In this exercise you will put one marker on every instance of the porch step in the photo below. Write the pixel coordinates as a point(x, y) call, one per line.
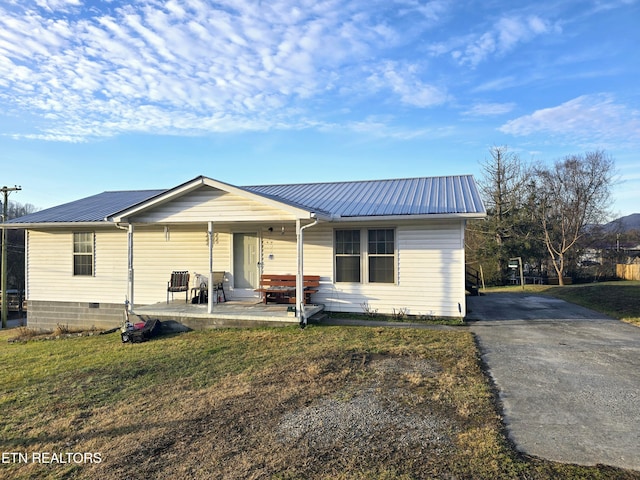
point(318, 317)
point(472, 289)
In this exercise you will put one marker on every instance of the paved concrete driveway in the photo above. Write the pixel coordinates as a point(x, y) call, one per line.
point(569, 378)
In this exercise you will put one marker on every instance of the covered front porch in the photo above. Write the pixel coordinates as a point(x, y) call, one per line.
point(247, 235)
point(228, 314)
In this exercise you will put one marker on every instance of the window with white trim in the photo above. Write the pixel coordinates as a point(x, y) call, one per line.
point(347, 255)
point(83, 247)
point(381, 252)
point(375, 246)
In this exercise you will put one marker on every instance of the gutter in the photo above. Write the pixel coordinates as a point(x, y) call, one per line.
point(48, 225)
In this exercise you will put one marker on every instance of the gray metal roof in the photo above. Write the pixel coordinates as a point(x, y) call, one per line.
point(372, 198)
point(89, 209)
point(407, 196)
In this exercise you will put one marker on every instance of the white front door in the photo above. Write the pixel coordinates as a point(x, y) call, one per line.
point(245, 263)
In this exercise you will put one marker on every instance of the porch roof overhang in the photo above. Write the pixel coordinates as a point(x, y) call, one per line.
point(291, 208)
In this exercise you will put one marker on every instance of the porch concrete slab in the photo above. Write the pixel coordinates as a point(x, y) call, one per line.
point(568, 377)
point(351, 322)
point(227, 314)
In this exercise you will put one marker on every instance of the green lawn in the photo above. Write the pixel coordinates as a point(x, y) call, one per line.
point(261, 403)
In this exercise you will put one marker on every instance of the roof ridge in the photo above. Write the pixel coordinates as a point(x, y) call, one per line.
point(400, 179)
point(136, 190)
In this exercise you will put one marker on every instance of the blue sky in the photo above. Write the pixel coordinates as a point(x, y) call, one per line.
point(107, 95)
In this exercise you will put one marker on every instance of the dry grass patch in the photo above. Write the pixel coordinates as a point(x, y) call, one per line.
point(25, 334)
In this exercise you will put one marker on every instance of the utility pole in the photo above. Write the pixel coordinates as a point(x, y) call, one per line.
point(5, 307)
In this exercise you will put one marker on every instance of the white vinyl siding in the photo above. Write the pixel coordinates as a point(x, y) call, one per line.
point(209, 204)
point(429, 264)
point(431, 269)
point(50, 267)
point(158, 251)
point(429, 275)
point(279, 249)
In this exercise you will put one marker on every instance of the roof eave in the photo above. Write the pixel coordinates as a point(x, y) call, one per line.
point(47, 225)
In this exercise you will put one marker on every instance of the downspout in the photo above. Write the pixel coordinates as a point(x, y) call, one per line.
point(129, 299)
point(300, 274)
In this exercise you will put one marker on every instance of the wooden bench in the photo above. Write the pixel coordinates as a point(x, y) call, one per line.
point(179, 282)
point(282, 288)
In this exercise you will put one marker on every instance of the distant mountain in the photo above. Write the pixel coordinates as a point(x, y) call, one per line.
point(623, 224)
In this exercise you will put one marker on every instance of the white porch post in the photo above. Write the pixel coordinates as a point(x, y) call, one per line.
point(210, 284)
point(300, 299)
point(130, 283)
point(299, 272)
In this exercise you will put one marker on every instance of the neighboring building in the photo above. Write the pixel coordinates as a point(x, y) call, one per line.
point(382, 245)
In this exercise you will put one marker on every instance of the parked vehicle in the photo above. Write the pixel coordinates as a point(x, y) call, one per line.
point(16, 300)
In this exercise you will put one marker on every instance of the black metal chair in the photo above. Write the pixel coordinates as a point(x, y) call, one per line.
point(179, 282)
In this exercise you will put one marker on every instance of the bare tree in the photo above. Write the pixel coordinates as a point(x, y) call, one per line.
point(508, 229)
point(501, 186)
point(575, 193)
point(15, 244)
point(15, 209)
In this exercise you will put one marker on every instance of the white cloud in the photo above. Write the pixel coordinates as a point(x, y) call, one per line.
point(432, 11)
point(230, 65)
point(606, 5)
point(503, 37)
point(500, 83)
point(489, 109)
point(593, 119)
point(92, 69)
point(379, 127)
point(405, 81)
point(58, 5)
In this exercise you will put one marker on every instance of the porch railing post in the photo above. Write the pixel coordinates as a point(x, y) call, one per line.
point(299, 272)
point(130, 284)
point(300, 292)
point(210, 284)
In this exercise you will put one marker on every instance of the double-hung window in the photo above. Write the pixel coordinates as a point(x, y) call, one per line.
point(83, 253)
point(381, 254)
point(348, 256)
point(365, 254)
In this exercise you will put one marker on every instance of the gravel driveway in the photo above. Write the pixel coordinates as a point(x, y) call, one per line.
point(569, 378)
